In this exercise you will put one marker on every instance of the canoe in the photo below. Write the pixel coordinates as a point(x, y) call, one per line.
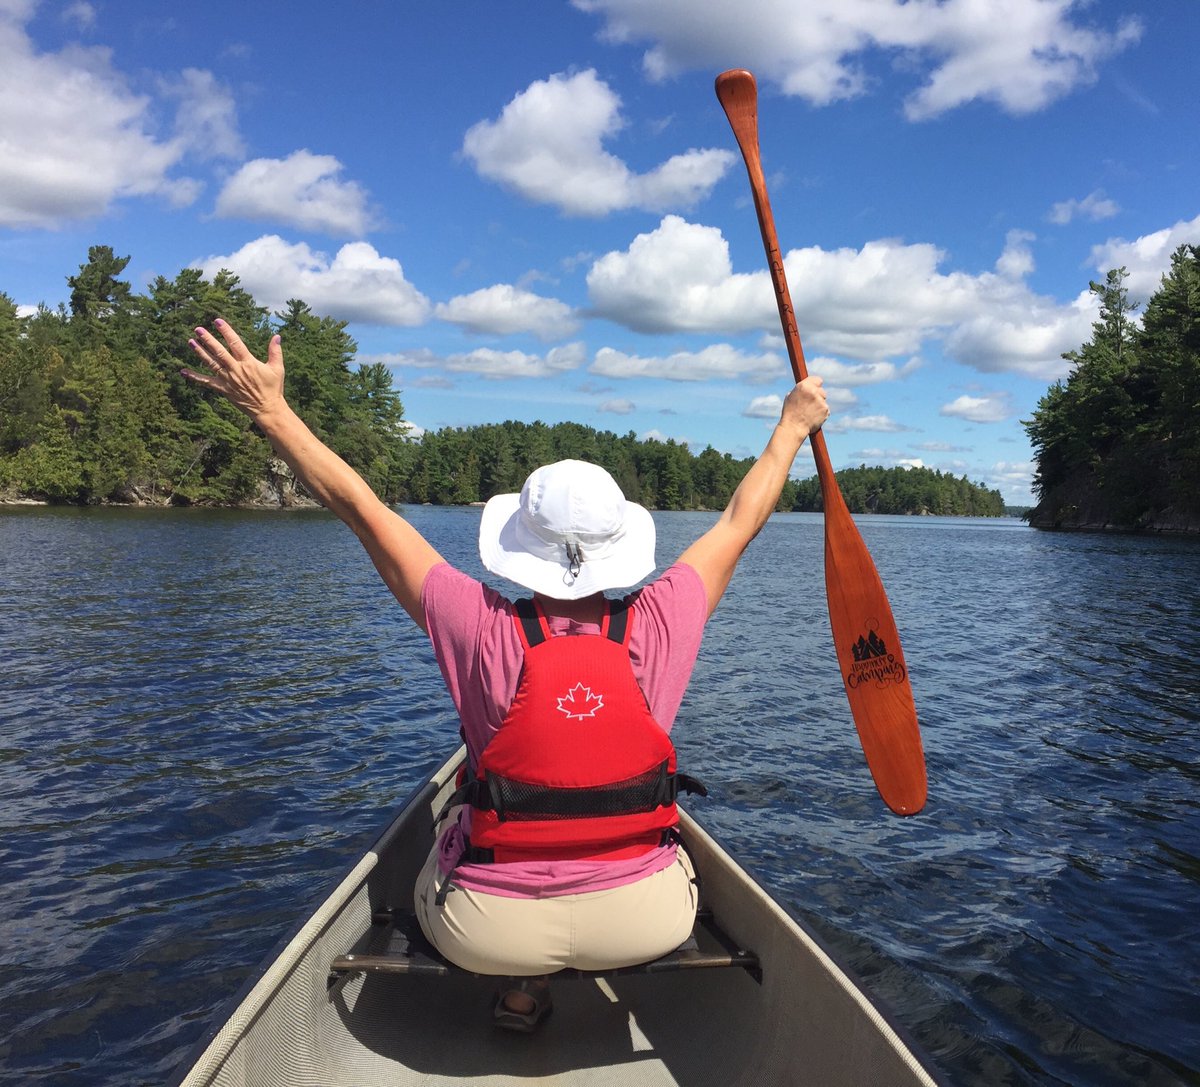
point(354, 997)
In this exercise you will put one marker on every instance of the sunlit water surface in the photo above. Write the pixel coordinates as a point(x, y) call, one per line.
point(205, 716)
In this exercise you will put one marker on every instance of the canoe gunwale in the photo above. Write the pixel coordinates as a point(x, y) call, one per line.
point(881, 1016)
point(215, 1045)
point(805, 982)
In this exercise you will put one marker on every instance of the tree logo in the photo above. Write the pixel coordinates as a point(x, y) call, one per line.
point(873, 662)
point(579, 702)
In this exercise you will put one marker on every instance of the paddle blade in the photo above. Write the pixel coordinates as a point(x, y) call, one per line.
point(872, 664)
point(864, 633)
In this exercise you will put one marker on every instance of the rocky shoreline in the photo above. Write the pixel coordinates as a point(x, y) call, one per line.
point(265, 502)
point(1165, 523)
point(279, 491)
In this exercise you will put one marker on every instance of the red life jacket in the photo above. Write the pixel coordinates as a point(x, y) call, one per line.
point(579, 767)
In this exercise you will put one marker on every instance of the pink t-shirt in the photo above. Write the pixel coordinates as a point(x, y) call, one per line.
point(479, 652)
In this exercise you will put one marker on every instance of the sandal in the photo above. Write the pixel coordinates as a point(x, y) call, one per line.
point(537, 989)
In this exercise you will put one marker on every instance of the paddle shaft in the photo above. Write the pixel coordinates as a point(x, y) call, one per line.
point(864, 631)
point(739, 99)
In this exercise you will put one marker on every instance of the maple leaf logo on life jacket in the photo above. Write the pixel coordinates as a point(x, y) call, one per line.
point(579, 702)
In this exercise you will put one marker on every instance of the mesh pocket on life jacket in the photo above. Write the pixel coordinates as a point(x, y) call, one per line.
point(523, 800)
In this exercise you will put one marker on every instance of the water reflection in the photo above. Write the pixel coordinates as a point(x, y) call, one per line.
point(205, 714)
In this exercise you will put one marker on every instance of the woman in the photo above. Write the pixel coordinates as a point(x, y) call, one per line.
point(559, 852)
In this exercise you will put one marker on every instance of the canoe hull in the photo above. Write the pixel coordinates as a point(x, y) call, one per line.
point(805, 1022)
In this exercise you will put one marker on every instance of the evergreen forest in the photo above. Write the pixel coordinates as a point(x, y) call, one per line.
point(1116, 443)
point(93, 410)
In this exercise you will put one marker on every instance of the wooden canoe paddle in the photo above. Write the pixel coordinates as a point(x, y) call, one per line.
point(864, 632)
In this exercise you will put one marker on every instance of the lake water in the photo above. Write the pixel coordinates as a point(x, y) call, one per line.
point(206, 715)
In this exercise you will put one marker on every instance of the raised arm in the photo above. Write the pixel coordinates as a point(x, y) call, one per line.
point(400, 553)
point(715, 555)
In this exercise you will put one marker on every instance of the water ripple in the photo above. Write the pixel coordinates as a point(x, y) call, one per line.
point(206, 715)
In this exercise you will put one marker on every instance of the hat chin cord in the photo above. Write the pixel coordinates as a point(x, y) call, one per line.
point(574, 557)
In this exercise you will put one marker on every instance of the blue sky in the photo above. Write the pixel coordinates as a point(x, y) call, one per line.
point(537, 211)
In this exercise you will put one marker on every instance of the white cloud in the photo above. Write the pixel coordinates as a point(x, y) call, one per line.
point(302, 190)
point(547, 145)
point(357, 284)
point(892, 458)
point(420, 357)
point(941, 447)
point(1016, 261)
point(618, 407)
point(1094, 206)
point(880, 424)
point(1146, 258)
point(1026, 334)
point(656, 435)
point(74, 136)
point(1013, 479)
point(489, 363)
point(503, 310)
point(764, 407)
point(839, 398)
point(859, 303)
point(875, 303)
point(717, 361)
point(500, 365)
point(81, 15)
point(206, 119)
point(678, 277)
point(990, 408)
point(863, 373)
point(1020, 55)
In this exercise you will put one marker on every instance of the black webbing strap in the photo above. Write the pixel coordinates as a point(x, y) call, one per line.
point(474, 854)
point(517, 800)
point(618, 621)
point(530, 623)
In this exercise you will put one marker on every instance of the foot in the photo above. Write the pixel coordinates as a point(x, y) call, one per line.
point(519, 1002)
point(522, 1005)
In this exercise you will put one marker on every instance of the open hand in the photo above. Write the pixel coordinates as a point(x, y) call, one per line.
point(250, 385)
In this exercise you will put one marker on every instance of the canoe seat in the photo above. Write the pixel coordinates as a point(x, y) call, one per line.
point(395, 944)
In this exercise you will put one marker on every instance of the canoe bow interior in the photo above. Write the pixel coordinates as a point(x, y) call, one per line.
point(805, 1022)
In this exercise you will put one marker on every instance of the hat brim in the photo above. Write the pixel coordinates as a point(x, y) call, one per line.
point(626, 563)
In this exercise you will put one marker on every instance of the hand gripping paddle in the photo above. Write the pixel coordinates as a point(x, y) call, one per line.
point(864, 632)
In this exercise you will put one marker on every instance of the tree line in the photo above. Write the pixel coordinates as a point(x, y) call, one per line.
point(93, 409)
point(1116, 443)
point(462, 465)
point(905, 490)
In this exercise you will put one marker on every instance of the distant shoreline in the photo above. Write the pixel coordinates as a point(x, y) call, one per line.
point(309, 504)
point(42, 503)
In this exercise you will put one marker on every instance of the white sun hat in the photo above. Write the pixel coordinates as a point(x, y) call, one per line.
point(568, 534)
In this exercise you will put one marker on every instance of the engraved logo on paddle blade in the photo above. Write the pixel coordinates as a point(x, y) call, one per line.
point(873, 662)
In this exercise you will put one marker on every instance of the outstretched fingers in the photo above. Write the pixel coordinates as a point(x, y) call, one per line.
point(198, 378)
point(231, 368)
point(237, 349)
point(203, 347)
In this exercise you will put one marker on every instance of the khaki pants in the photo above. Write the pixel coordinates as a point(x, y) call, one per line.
point(599, 930)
